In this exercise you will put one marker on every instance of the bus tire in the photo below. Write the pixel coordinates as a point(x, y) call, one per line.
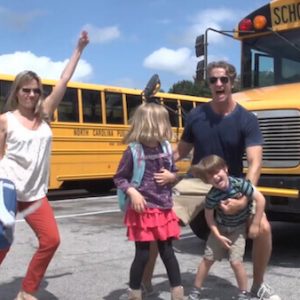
point(199, 226)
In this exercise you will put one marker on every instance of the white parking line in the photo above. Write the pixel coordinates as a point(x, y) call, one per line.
point(100, 212)
point(112, 198)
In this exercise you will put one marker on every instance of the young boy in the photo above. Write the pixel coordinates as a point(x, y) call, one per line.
point(228, 232)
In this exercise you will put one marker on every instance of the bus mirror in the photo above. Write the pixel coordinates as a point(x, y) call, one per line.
point(200, 71)
point(199, 45)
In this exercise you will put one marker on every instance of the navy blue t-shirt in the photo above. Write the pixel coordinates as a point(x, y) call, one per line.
point(226, 136)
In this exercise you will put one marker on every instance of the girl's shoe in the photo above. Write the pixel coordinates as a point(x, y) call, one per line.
point(177, 293)
point(22, 295)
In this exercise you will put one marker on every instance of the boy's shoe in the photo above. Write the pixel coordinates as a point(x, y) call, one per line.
point(195, 294)
point(264, 292)
point(243, 295)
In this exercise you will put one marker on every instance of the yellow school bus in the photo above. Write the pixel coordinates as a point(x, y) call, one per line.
point(270, 88)
point(270, 71)
point(89, 125)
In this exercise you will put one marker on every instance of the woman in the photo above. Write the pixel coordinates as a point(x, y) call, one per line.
point(25, 147)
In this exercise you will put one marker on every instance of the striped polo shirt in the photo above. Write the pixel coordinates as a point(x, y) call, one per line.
point(238, 187)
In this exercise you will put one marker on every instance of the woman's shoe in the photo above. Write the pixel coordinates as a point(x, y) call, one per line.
point(22, 295)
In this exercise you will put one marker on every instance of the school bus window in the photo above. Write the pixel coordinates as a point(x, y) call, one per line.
point(4, 89)
point(68, 108)
point(114, 108)
point(92, 111)
point(290, 71)
point(132, 102)
point(47, 89)
point(186, 106)
point(172, 108)
point(265, 65)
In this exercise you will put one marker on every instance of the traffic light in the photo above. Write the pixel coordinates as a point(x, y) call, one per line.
point(200, 48)
point(200, 45)
point(200, 71)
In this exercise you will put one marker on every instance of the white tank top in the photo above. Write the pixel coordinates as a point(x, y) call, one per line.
point(26, 158)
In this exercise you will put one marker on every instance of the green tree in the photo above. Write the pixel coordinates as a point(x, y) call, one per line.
point(188, 87)
point(199, 88)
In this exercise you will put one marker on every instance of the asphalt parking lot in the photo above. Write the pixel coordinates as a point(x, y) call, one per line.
point(94, 257)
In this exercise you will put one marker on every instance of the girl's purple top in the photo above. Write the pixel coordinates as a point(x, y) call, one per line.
point(156, 195)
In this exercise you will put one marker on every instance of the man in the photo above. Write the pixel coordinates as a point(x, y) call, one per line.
point(224, 128)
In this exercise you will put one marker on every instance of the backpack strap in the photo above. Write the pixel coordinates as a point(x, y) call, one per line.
point(138, 163)
point(167, 148)
point(138, 157)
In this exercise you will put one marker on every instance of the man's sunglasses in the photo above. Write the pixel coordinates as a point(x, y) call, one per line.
point(28, 91)
point(223, 79)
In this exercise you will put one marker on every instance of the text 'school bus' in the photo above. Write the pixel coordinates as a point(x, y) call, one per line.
point(270, 82)
point(89, 125)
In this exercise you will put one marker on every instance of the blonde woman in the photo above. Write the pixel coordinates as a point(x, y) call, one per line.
point(149, 215)
point(25, 146)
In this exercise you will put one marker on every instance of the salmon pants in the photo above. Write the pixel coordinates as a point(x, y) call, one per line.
point(44, 225)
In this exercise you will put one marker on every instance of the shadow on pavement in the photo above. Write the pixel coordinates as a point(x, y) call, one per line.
point(285, 252)
point(215, 288)
point(10, 290)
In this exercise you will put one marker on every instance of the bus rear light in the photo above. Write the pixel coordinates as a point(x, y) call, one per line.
point(259, 22)
point(246, 25)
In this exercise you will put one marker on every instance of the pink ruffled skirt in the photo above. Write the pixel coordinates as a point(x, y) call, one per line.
point(152, 225)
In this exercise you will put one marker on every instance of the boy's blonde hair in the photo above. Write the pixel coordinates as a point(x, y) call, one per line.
point(208, 166)
point(149, 123)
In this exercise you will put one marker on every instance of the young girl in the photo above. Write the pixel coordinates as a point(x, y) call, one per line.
point(149, 215)
point(25, 147)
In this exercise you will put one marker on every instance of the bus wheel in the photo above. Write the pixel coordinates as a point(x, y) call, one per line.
point(199, 226)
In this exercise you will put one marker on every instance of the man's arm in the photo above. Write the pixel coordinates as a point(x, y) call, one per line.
point(260, 203)
point(182, 150)
point(254, 159)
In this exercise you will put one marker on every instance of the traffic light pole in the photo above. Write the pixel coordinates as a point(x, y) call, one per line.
point(201, 50)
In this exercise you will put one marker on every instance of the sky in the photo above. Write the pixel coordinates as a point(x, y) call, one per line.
point(130, 40)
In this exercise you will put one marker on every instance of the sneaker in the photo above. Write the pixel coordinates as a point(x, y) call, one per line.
point(243, 295)
point(264, 292)
point(195, 294)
